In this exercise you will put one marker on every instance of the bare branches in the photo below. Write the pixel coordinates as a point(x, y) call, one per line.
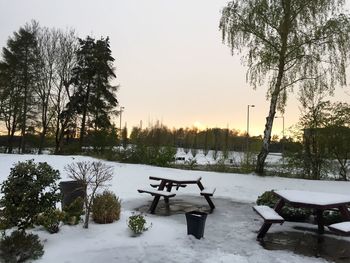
point(92, 175)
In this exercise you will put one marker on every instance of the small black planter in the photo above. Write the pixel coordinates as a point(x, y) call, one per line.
point(196, 223)
point(70, 191)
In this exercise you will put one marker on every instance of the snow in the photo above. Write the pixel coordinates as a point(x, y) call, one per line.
point(155, 191)
point(178, 178)
point(313, 198)
point(230, 233)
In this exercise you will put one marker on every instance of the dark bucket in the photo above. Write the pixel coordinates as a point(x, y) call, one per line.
point(70, 191)
point(196, 223)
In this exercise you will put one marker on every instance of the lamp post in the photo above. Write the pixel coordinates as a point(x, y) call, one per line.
point(282, 117)
point(249, 106)
point(120, 124)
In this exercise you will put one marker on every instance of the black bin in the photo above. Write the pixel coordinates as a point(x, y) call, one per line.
point(196, 223)
point(70, 191)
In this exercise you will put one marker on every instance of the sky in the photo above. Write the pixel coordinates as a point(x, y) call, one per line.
point(171, 64)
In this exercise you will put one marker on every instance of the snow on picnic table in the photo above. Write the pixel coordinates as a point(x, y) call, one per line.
point(227, 240)
point(313, 198)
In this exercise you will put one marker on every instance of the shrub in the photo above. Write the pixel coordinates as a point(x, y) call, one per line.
point(51, 219)
point(19, 247)
point(191, 163)
point(106, 208)
point(288, 213)
point(29, 190)
point(332, 217)
point(153, 155)
point(137, 224)
point(73, 212)
point(219, 166)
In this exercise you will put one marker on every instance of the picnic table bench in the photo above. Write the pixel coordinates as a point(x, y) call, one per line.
point(342, 228)
point(314, 200)
point(168, 182)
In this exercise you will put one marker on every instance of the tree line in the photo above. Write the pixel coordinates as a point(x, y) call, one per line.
point(216, 139)
point(57, 86)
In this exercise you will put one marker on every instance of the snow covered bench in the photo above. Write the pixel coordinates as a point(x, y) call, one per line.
point(269, 215)
point(208, 191)
point(155, 192)
point(342, 228)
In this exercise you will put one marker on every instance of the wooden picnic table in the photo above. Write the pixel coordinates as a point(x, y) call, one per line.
point(306, 199)
point(167, 183)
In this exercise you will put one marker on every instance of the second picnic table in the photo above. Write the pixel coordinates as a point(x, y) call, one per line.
point(167, 183)
point(306, 199)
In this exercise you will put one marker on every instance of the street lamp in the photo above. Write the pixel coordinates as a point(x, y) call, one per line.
point(282, 117)
point(120, 112)
point(249, 106)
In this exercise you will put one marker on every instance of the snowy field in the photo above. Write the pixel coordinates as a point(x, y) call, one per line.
point(235, 158)
point(230, 230)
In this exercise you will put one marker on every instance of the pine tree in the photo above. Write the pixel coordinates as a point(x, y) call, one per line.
point(19, 64)
point(94, 99)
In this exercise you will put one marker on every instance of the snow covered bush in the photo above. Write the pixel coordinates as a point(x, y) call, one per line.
point(332, 217)
point(19, 247)
point(30, 189)
point(191, 163)
point(51, 219)
point(137, 224)
point(106, 208)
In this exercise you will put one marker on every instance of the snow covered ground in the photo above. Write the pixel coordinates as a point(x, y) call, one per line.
point(230, 230)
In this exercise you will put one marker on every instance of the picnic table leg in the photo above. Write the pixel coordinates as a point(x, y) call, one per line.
point(154, 204)
point(211, 204)
point(266, 226)
point(263, 230)
point(168, 188)
point(319, 220)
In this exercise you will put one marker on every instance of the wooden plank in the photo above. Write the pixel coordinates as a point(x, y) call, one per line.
point(208, 191)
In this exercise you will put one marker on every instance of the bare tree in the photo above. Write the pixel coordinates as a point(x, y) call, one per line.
point(48, 54)
point(92, 175)
point(66, 61)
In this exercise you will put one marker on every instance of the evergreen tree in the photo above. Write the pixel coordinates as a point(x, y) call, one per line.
point(94, 99)
point(19, 64)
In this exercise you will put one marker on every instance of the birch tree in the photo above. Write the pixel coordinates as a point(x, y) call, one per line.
point(288, 43)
